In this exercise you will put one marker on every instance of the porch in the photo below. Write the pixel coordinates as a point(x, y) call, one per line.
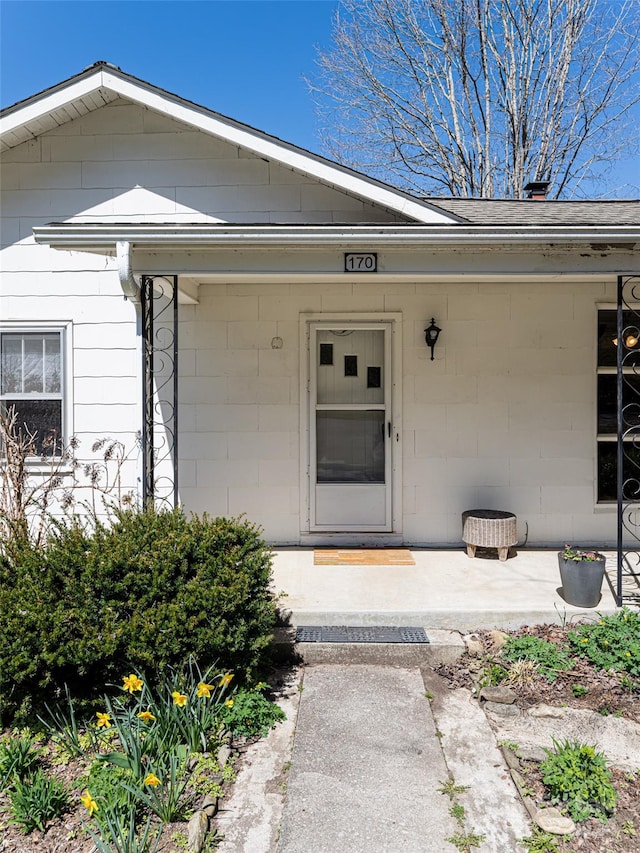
point(442, 589)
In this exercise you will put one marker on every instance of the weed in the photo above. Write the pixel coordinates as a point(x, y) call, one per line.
point(451, 789)
point(629, 685)
point(181, 841)
point(37, 799)
point(577, 777)
point(509, 744)
point(613, 642)
point(628, 829)
point(465, 840)
point(540, 842)
point(457, 812)
point(492, 675)
point(578, 690)
point(522, 673)
point(549, 657)
point(206, 776)
point(428, 695)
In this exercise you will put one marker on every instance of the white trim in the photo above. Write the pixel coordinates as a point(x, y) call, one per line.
point(115, 81)
point(393, 343)
point(65, 328)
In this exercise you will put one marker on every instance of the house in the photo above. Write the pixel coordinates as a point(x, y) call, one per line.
point(258, 313)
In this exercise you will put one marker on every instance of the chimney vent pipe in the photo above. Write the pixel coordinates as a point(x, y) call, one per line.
point(537, 190)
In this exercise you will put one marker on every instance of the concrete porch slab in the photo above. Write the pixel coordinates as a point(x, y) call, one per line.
point(444, 589)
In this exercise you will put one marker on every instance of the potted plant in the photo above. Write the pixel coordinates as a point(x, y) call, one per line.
point(581, 573)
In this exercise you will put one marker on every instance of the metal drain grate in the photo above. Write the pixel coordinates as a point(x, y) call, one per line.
point(374, 634)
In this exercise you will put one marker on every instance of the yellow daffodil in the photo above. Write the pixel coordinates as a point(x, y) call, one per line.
point(152, 779)
point(205, 690)
point(146, 716)
point(89, 803)
point(131, 683)
point(628, 654)
point(104, 720)
point(225, 681)
point(229, 703)
point(179, 698)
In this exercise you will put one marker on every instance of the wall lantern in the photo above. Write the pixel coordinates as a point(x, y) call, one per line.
point(431, 335)
point(630, 341)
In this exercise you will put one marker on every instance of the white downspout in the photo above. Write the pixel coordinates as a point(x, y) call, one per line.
point(131, 291)
point(128, 284)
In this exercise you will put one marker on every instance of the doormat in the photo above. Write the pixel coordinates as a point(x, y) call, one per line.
point(363, 557)
point(374, 634)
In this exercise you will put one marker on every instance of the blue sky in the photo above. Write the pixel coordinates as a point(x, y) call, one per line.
point(243, 58)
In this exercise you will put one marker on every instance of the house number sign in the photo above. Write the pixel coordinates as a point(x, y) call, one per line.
point(360, 262)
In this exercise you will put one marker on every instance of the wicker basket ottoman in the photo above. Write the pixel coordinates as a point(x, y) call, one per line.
point(489, 528)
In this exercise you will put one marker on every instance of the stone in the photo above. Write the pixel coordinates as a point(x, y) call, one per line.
point(500, 710)
point(223, 755)
point(475, 649)
point(498, 639)
point(510, 758)
point(503, 695)
point(197, 831)
point(550, 820)
point(528, 752)
point(531, 806)
point(209, 805)
point(543, 710)
point(519, 779)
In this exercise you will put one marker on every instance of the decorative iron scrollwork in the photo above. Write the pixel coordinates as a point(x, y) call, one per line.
point(159, 298)
point(628, 456)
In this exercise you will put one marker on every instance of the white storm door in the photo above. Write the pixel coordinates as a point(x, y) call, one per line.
point(350, 418)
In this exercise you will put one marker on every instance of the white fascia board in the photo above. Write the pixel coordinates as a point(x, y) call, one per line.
point(104, 236)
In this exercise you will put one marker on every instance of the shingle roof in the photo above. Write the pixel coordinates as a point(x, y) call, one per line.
point(480, 211)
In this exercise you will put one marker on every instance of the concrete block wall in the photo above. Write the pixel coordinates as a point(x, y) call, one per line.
point(504, 418)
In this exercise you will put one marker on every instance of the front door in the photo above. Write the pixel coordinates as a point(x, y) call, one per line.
point(351, 428)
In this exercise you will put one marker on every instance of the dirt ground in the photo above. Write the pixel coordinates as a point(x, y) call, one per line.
point(604, 694)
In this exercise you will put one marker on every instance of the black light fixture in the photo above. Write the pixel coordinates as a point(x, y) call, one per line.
point(431, 335)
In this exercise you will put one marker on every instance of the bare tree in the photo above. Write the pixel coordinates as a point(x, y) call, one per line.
point(477, 97)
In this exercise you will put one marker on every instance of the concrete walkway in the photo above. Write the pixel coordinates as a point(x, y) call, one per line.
point(369, 761)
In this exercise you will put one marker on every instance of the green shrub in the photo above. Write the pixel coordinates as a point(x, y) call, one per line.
point(549, 657)
point(146, 593)
point(577, 777)
point(611, 643)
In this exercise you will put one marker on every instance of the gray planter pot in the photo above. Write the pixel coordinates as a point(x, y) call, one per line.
point(581, 580)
